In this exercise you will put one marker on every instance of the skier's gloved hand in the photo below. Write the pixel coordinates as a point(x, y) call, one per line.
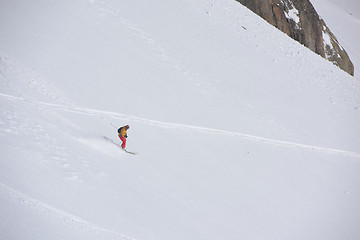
point(125, 136)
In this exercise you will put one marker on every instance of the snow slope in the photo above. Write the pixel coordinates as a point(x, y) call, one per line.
point(241, 132)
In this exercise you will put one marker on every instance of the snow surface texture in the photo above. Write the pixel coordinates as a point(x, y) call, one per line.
point(242, 133)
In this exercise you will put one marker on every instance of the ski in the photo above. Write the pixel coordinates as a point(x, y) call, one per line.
point(133, 153)
point(118, 145)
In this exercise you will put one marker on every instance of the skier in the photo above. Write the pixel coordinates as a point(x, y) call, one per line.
point(123, 135)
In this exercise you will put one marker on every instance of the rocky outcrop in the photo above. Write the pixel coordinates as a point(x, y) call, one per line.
point(299, 20)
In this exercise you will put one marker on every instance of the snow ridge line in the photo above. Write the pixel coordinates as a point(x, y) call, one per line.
point(90, 111)
point(51, 211)
point(245, 136)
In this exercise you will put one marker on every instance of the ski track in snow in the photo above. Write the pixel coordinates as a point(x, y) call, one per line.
point(124, 117)
point(49, 211)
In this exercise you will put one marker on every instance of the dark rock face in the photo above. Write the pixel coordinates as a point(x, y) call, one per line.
point(300, 21)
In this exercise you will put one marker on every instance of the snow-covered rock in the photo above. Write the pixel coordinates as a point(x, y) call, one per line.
point(299, 20)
